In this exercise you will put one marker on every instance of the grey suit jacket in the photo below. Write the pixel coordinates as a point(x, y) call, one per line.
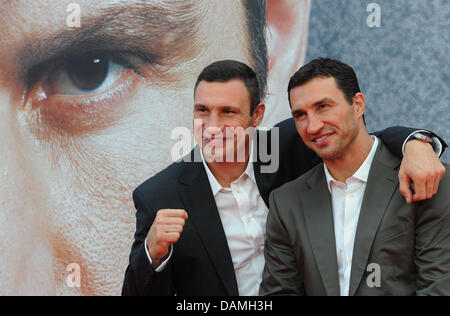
point(409, 243)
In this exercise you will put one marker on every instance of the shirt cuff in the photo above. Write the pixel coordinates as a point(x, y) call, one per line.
point(437, 145)
point(164, 263)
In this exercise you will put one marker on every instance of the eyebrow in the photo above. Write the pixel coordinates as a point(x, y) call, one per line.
point(324, 100)
point(224, 107)
point(317, 103)
point(153, 31)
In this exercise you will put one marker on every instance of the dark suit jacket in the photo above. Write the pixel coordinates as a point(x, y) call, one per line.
point(201, 263)
point(410, 243)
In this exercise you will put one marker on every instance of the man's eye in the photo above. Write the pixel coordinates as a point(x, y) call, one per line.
point(324, 106)
point(91, 72)
point(82, 92)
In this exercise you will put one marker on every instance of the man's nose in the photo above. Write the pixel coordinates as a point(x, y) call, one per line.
point(315, 125)
point(214, 125)
point(25, 250)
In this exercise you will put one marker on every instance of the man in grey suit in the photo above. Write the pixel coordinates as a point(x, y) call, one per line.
point(343, 228)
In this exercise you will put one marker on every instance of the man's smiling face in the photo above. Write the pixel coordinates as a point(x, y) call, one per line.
point(326, 121)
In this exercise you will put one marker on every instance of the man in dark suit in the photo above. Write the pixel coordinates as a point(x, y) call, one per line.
point(201, 223)
point(343, 228)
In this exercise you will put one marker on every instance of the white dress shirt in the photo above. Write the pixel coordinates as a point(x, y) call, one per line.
point(243, 214)
point(347, 200)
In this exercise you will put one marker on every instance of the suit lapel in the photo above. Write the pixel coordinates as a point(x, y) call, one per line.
point(381, 185)
point(197, 196)
point(318, 212)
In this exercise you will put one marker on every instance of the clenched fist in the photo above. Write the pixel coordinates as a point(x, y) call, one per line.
point(166, 230)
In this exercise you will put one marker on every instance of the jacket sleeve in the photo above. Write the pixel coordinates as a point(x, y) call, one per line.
point(141, 279)
point(433, 244)
point(395, 137)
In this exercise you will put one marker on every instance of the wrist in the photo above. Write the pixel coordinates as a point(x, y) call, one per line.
point(415, 143)
point(425, 137)
point(156, 263)
point(155, 260)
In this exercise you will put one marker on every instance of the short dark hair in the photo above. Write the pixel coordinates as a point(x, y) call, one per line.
point(255, 12)
point(344, 75)
point(227, 70)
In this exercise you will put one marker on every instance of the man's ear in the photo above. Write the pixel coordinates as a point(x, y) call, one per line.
point(359, 104)
point(287, 36)
point(258, 115)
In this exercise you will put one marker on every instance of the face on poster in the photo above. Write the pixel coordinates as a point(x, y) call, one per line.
point(86, 115)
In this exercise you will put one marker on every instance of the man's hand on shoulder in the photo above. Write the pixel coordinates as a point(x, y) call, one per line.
point(166, 230)
point(421, 170)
